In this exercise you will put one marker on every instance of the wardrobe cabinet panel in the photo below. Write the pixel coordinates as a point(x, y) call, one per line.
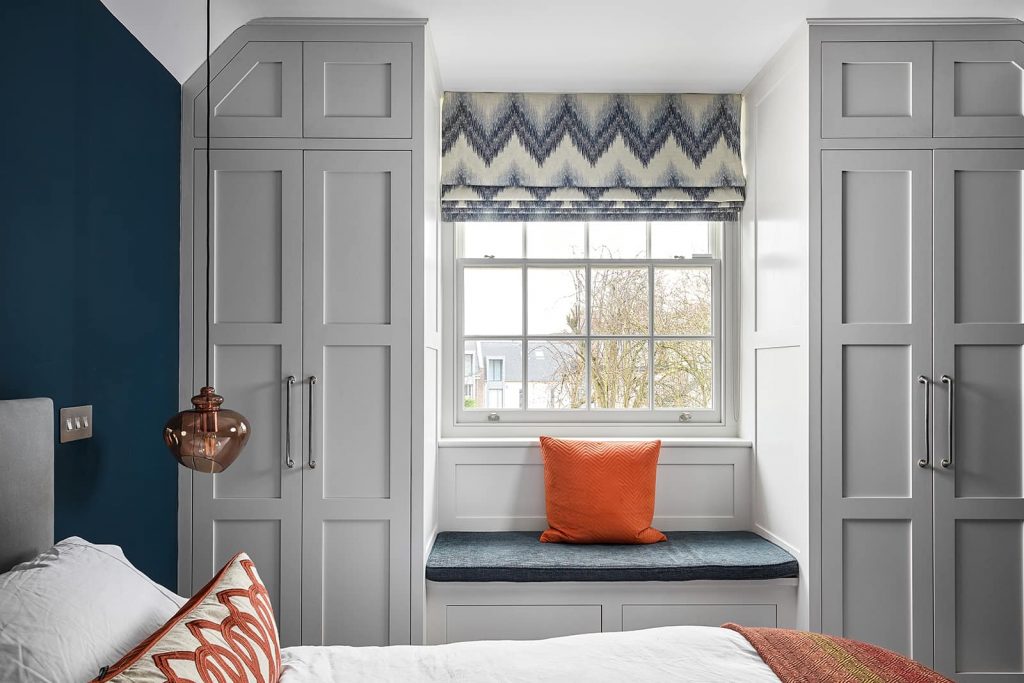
point(356, 341)
point(979, 507)
point(255, 344)
point(979, 88)
point(357, 90)
point(257, 95)
point(876, 341)
point(876, 89)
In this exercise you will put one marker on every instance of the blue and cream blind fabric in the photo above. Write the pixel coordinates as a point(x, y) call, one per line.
point(543, 157)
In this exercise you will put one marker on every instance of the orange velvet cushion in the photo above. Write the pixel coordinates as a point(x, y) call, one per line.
point(226, 633)
point(600, 492)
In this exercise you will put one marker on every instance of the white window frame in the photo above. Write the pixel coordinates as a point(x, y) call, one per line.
point(719, 421)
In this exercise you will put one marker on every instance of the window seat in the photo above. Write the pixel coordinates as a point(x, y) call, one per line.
point(518, 556)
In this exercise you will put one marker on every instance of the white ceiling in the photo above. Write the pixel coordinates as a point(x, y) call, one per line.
point(554, 45)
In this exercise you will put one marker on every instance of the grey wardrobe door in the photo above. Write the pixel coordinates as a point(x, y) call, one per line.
point(876, 90)
point(255, 505)
point(876, 341)
point(979, 339)
point(356, 342)
point(257, 95)
point(357, 90)
point(979, 88)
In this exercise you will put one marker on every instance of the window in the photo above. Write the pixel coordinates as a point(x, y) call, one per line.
point(590, 321)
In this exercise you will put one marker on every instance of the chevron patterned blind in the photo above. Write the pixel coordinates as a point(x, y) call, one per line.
point(544, 157)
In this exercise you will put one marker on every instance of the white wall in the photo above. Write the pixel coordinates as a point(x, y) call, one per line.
point(773, 303)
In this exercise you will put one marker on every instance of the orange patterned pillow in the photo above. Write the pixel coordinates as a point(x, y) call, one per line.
point(600, 492)
point(225, 633)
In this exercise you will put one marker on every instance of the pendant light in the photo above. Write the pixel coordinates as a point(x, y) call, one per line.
point(207, 438)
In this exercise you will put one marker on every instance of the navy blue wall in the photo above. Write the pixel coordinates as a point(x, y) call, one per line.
point(89, 262)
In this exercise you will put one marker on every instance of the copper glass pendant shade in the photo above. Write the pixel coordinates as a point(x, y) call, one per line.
point(207, 438)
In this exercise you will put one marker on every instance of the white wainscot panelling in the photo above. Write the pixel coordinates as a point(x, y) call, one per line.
point(491, 488)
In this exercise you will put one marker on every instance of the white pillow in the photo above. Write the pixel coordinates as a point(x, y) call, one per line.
point(73, 609)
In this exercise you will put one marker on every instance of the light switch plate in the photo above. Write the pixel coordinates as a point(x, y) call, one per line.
point(75, 423)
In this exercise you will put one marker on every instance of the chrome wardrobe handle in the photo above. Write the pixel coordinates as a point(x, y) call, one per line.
point(312, 390)
point(926, 460)
point(947, 462)
point(288, 422)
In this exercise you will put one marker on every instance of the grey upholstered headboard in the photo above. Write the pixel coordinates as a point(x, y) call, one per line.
point(26, 479)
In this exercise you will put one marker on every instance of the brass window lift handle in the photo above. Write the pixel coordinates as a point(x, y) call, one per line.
point(288, 422)
point(926, 460)
point(312, 388)
point(947, 462)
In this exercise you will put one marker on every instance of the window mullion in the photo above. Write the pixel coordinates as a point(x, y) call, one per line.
point(525, 352)
point(650, 329)
point(587, 369)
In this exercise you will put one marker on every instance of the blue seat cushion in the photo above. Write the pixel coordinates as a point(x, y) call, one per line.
point(686, 556)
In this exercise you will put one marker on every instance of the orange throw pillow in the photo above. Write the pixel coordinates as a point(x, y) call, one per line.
point(225, 633)
point(600, 492)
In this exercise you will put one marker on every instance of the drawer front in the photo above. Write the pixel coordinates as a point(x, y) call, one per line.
point(636, 617)
point(357, 90)
point(876, 90)
point(978, 88)
point(519, 622)
point(258, 94)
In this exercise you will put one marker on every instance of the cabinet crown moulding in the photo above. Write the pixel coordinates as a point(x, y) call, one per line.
point(905, 21)
point(338, 21)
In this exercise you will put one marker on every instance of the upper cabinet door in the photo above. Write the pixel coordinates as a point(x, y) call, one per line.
point(876, 90)
point(357, 90)
point(978, 88)
point(257, 95)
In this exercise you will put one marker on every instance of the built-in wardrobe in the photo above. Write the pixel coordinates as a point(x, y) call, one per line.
point(910, 330)
point(323, 221)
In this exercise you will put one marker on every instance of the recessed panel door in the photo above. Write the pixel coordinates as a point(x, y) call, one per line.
point(979, 88)
point(258, 94)
point(356, 343)
point(876, 343)
point(979, 357)
point(254, 506)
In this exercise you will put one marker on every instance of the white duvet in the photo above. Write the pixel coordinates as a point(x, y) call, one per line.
point(676, 653)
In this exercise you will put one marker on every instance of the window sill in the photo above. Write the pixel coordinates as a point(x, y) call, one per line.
point(520, 441)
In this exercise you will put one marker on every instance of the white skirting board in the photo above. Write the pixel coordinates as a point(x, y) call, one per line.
point(458, 611)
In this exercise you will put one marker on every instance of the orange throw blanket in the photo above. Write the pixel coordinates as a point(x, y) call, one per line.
point(802, 657)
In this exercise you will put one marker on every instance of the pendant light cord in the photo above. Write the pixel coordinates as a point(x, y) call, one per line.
point(209, 228)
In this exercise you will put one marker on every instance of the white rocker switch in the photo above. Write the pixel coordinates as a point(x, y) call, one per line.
point(75, 423)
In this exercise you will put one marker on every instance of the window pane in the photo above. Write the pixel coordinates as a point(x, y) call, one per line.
point(500, 240)
point(556, 301)
point(497, 377)
point(618, 301)
point(683, 374)
point(680, 239)
point(492, 301)
point(682, 301)
point(618, 372)
point(618, 240)
point(556, 371)
point(554, 240)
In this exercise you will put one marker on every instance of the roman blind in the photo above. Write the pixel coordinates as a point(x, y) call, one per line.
point(545, 157)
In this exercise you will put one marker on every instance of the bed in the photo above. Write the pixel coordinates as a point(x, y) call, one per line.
point(69, 611)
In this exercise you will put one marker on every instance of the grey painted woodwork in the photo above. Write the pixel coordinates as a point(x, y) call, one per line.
point(258, 93)
point(876, 90)
point(356, 300)
point(314, 255)
point(357, 90)
point(876, 340)
point(979, 88)
point(256, 505)
point(979, 336)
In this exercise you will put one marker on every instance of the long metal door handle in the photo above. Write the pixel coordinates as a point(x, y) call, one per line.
point(926, 460)
point(312, 389)
point(288, 422)
point(948, 461)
